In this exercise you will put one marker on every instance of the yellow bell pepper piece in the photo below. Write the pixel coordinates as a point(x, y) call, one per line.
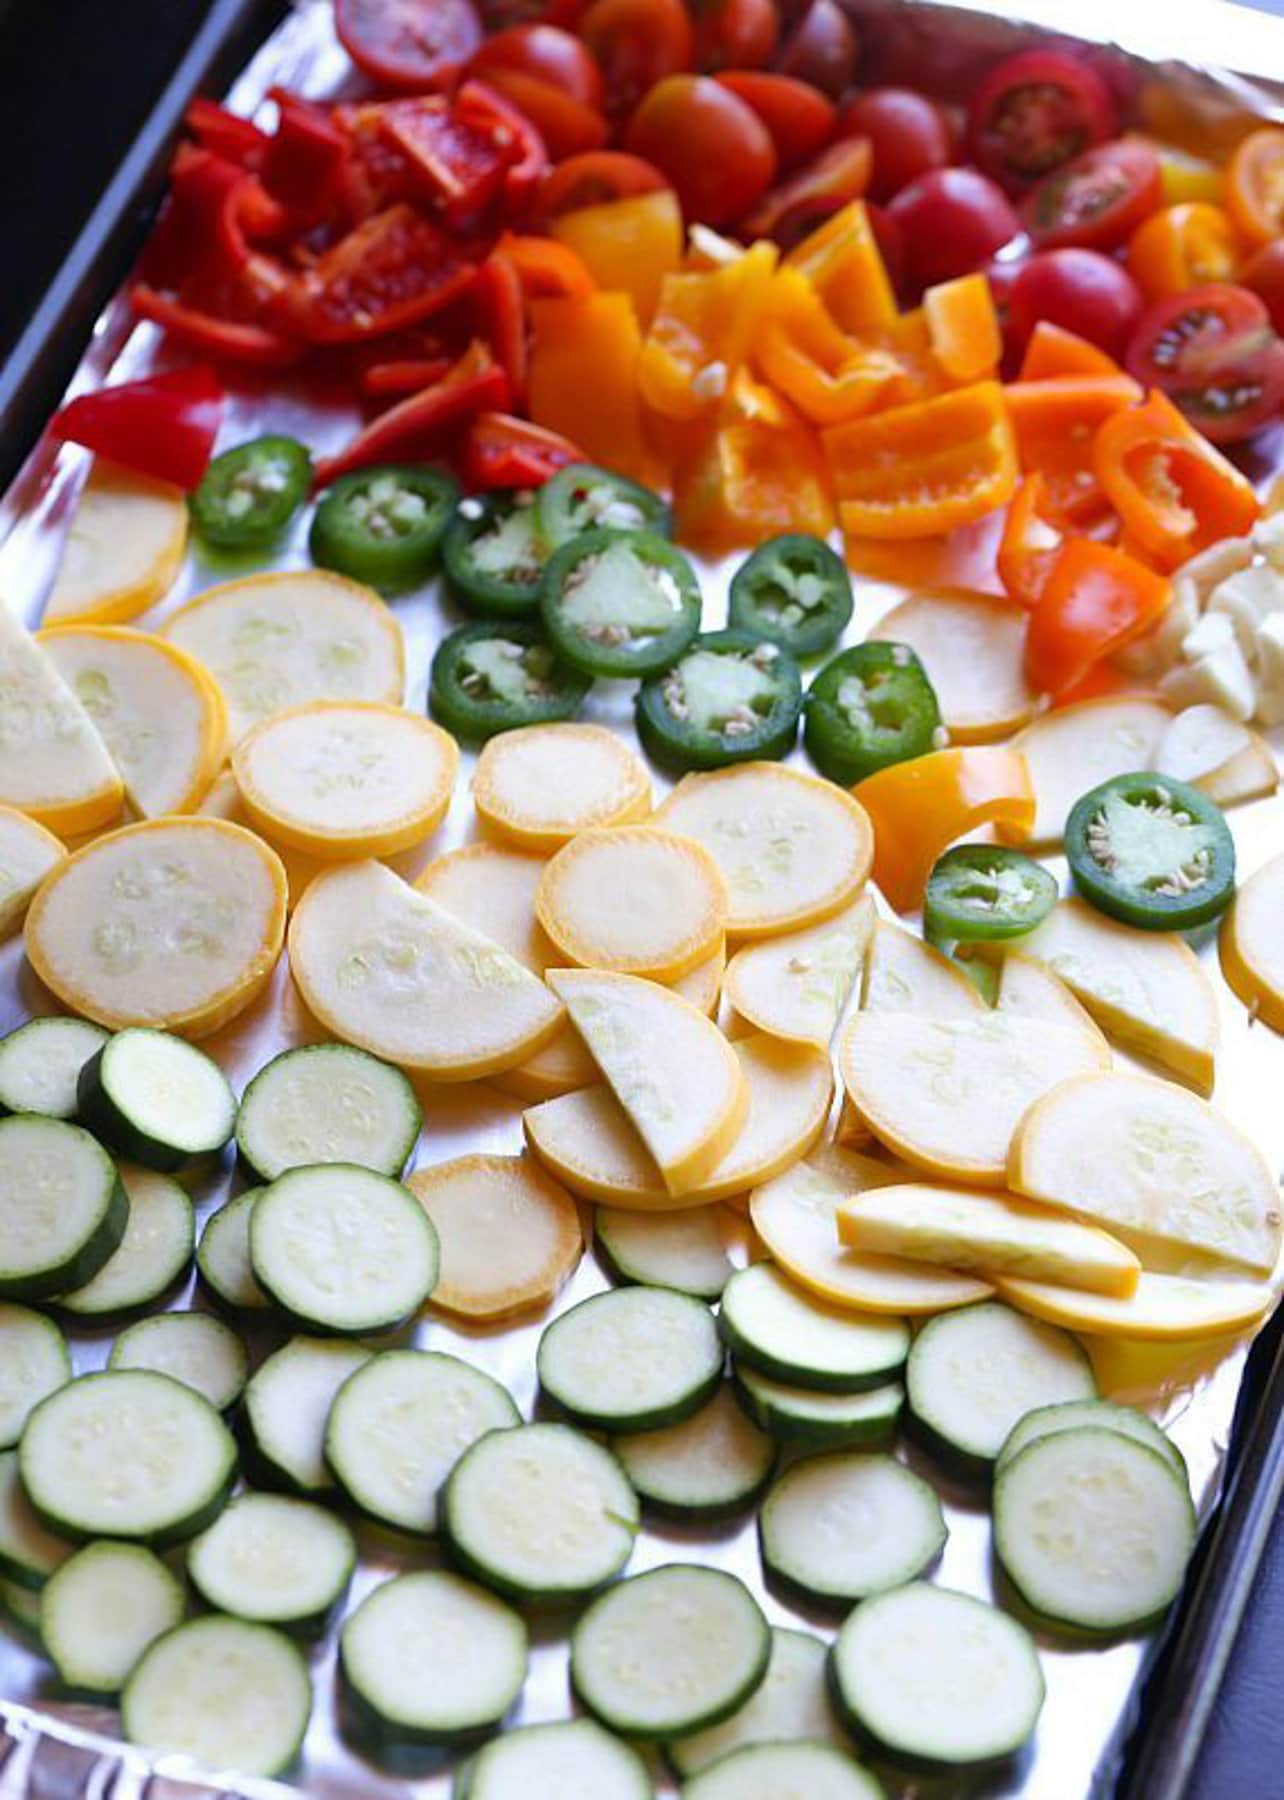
point(583, 378)
point(701, 333)
point(757, 472)
point(628, 244)
point(844, 265)
point(828, 375)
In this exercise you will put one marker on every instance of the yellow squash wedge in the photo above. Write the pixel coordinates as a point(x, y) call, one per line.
point(1077, 747)
point(903, 974)
point(1251, 943)
point(541, 784)
point(27, 854)
point(123, 550)
point(509, 1235)
point(633, 899)
point(493, 889)
point(1032, 991)
point(1161, 1307)
point(53, 765)
point(973, 649)
point(796, 986)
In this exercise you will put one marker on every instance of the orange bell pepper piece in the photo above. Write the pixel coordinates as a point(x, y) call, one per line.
point(1052, 350)
point(758, 472)
point(918, 470)
point(700, 334)
point(546, 270)
point(919, 807)
point(1183, 247)
point(1029, 544)
point(1056, 423)
point(630, 244)
point(1094, 601)
point(963, 327)
point(1173, 491)
point(828, 375)
point(570, 338)
point(845, 266)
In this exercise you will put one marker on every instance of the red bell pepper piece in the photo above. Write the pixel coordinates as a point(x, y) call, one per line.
point(227, 134)
point(509, 128)
point(501, 451)
point(408, 375)
point(418, 426)
point(391, 271)
point(1029, 545)
point(458, 162)
point(304, 158)
point(1094, 601)
point(224, 340)
point(499, 292)
point(164, 426)
point(214, 208)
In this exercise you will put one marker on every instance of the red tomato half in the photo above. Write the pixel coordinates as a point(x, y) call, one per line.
point(907, 132)
point(798, 116)
point(822, 48)
point(595, 179)
point(546, 53)
point(567, 126)
point(1096, 200)
point(1264, 274)
point(735, 34)
point(1034, 112)
point(1213, 352)
point(1081, 290)
point(714, 149)
point(637, 43)
point(408, 44)
point(953, 221)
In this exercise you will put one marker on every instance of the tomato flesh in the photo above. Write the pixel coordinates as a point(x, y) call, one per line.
point(906, 131)
point(1213, 352)
point(1035, 112)
point(1096, 200)
point(953, 221)
point(408, 43)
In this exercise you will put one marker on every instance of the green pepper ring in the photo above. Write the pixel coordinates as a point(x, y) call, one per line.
point(835, 743)
point(555, 500)
point(486, 596)
point(476, 719)
point(1147, 907)
point(673, 746)
point(270, 512)
point(654, 654)
point(344, 543)
point(823, 627)
point(953, 913)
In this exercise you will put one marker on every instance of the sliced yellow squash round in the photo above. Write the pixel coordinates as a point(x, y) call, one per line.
point(159, 713)
point(223, 801)
point(792, 849)
point(1252, 944)
point(634, 899)
point(493, 889)
point(973, 648)
point(123, 550)
point(346, 779)
point(1032, 991)
point(509, 1235)
point(851, 1132)
point(986, 1234)
point(53, 765)
point(175, 923)
point(1161, 1307)
point(1076, 748)
point(1146, 1158)
point(386, 968)
point(27, 854)
point(903, 974)
point(277, 641)
point(669, 1066)
point(541, 784)
point(795, 1215)
point(703, 984)
point(796, 986)
point(948, 1094)
point(589, 1142)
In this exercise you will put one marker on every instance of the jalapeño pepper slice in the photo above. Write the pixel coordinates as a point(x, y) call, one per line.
point(383, 525)
point(582, 497)
point(729, 698)
point(492, 557)
point(248, 495)
point(1151, 851)
point(869, 707)
point(983, 892)
point(620, 603)
point(491, 678)
point(794, 591)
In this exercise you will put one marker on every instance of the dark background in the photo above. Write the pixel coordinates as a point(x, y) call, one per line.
point(77, 78)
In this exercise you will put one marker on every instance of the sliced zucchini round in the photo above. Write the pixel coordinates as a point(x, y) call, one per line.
point(1069, 1415)
point(273, 1560)
point(327, 1103)
point(550, 1762)
point(192, 1347)
point(937, 1676)
point(485, 1647)
point(715, 1462)
point(784, 1331)
point(845, 1526)
point(792, 1704)
point(63, 1207)
point(287, 1403)
point(127, 1454)
point(101, 1610)
point(228, 1694)
point(805, 1416)
point(155, 1099)
point(669, 1652)
point(400, 1423)
point(540, 1513)
point(40, 1064)
point(343, 1249)
point(819, 1771)
point(29, 1551)
point(1094, 1529)
point(156, 1250)
point(223, 1255)
point(34, 1362)
point(682, 1250)
point(19, 1606)
point(972, 1374)
point(631, 1360)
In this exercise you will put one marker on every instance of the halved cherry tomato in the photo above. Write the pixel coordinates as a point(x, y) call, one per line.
point(1263, 273)
point(500, 15)
point(568, 127)
point(735, 34)
point(1034, 112)
point(1214, 352)
point(395, 269)
point(835, 177)
point(1183, 247)
point(1255, 185)
point(1080, 289)
point(1096, 200)
point(637, 43)
point(715, 150)
point(595, 179)
point(546, 54)
point(408, 44)
point(906, 131)
point(953, 220)
point(798, 116)
point(822, 48)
